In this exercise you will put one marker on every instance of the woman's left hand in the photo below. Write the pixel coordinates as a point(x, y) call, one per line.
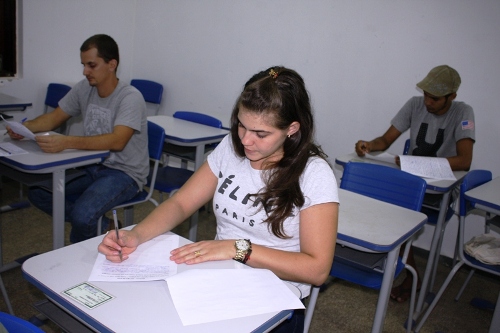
point(204, 251)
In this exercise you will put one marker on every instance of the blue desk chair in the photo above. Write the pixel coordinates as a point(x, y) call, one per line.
point(156, 138)
point(17, 325)
point(151, 91)
point(473, 179)
point(367, 268)
point(169, 180)
point(55, 92)
point(188, 153)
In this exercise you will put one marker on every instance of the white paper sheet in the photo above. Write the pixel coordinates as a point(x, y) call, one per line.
point(427, 167)
point(10, 149)
point(149, 262)
point(383, 157)
point(207, 295)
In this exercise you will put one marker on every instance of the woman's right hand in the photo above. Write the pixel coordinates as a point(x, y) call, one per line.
point(111, 246)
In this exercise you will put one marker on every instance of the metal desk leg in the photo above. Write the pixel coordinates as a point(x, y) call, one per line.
point(58, 206)
point(433, 255)
point(495, 321)
point(385, 291)
point(193, 224)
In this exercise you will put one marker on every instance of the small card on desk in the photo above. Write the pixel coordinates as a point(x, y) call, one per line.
point(88, 295)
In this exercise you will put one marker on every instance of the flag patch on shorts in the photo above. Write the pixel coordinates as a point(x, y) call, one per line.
point(467, 124)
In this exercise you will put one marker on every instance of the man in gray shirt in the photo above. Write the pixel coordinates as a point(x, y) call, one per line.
point(439, 127)
point(114, 118)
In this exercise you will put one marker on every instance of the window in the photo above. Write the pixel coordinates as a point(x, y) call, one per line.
point(9, 52)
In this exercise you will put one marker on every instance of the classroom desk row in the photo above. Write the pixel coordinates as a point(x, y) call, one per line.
point(72, 265)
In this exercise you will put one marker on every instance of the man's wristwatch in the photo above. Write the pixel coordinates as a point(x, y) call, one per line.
point(243, 250)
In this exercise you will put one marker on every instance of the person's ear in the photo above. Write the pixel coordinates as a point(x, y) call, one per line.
point(453, 96)
point(293, 128)
point(112, 64)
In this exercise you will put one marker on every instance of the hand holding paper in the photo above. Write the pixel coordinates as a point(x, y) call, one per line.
point(20, 129)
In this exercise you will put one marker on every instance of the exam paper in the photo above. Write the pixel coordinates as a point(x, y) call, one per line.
point(10, 149)
point(427, 167)
point(149, 262)
point(207, 295)
point(382, 157)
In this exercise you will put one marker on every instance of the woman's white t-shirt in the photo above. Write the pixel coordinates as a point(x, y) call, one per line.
point(240, 217)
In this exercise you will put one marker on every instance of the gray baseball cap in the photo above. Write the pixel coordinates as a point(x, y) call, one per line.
point(441, 81)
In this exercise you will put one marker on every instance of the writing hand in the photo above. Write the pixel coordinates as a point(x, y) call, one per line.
point(111, 246)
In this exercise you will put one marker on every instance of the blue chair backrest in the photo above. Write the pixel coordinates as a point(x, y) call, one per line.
point(55, 91)
point(384, 183)
point(150, 90)
point(156, 138)
point(472, 179)
point(406, 149)
point(199, 118)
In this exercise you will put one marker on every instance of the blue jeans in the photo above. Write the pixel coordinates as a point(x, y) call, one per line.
point(89, 197)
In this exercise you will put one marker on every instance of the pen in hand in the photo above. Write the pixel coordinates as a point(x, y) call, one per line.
point(116, 230)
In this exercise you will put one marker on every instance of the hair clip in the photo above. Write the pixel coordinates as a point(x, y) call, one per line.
point(273, 73)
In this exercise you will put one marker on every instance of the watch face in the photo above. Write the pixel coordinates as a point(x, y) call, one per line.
point(242, 244)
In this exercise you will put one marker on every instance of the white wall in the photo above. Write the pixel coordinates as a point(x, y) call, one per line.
point(360, 59)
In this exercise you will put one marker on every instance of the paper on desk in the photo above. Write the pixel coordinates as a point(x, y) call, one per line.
point(20, 129)
point(148, 263)
point(207, 295)
point(10, 149)
point(428, 167)
point(383, 157)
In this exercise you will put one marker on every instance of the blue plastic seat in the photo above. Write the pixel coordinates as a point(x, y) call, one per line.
point(170, 179)
point(55, 91)
point(151, 91)
point(17, 325)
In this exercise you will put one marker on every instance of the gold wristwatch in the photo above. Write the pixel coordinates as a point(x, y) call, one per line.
point(243, 250)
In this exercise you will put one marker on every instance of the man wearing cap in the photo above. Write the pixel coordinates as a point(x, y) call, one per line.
point(439, 127)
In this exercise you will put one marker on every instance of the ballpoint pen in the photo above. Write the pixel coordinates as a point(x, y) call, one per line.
point(116, 230)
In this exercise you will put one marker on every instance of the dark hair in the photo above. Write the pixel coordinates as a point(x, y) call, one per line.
point(106, 46)
point(280, 93)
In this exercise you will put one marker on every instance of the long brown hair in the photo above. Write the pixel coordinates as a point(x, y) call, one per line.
point(279, 93)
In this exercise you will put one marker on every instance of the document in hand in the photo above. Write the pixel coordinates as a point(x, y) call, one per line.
point(149, 262)
point(207, 295)
point(20, 129)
